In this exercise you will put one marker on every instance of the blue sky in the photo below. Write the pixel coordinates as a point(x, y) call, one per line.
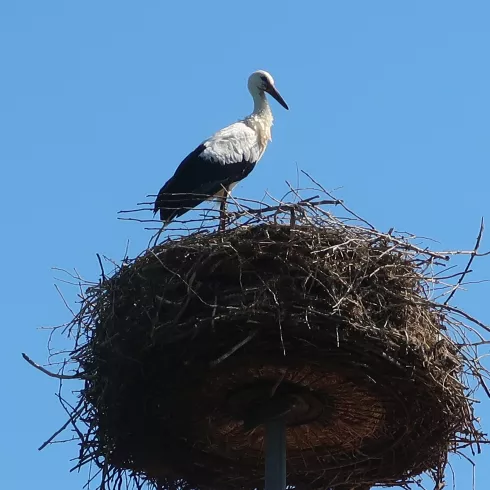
point(102, 99)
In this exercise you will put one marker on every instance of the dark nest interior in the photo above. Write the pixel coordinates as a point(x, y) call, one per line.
point(187, 350)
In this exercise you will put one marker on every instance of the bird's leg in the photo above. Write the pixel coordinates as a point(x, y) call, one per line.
point(222, 211)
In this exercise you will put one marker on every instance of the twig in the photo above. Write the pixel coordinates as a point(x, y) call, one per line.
point(73, 415)
point(340, 202)
point(468, 265)
point(64, 300)
point(234, 349)
point(462, 313)
point(61, 429)
point(101, 267)
point(49, 373)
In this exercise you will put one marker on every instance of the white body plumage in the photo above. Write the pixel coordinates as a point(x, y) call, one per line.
point(224, 159)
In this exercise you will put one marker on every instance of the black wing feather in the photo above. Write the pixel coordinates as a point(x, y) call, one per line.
point(196, 180)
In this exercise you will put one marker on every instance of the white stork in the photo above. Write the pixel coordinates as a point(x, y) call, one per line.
point(224, 159)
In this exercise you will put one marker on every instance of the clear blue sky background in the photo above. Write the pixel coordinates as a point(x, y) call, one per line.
point(100, 100)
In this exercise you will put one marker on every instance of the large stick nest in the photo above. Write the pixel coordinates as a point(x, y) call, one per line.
point(189, 348)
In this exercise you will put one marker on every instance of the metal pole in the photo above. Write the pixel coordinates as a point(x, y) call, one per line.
point(275, 455)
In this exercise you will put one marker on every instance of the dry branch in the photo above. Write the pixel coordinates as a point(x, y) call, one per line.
point(49, 373)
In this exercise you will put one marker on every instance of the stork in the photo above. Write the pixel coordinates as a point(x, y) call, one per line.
point(227, 157)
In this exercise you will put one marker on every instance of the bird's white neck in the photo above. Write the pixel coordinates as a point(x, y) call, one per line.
point(261, 119)
point(261, 104)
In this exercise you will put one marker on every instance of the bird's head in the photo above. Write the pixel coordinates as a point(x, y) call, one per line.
point(260, 82)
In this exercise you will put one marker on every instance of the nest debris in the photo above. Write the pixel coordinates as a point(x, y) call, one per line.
point(182, 350)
